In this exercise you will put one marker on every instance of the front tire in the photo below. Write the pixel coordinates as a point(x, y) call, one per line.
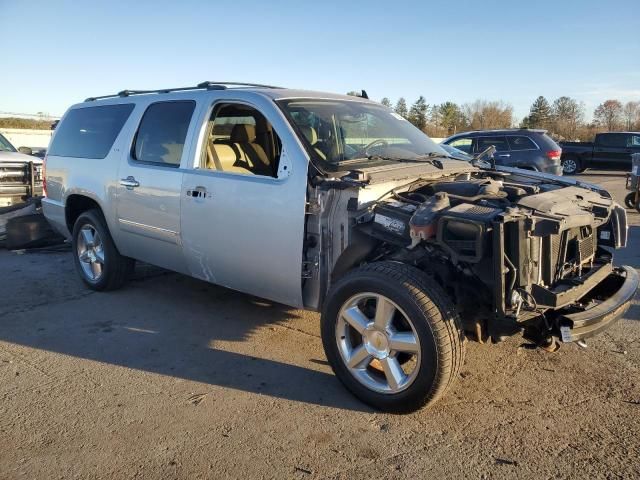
point(630, 201)
point(96, 257)
point(392, 336)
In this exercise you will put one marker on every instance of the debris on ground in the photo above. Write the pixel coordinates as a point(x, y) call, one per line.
point(23, 226)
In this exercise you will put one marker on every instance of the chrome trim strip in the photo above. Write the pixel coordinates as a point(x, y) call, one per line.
point(154, 232)
point(148, 227)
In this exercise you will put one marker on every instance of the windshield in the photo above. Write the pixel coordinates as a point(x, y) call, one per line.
point(5, 146)
point(339, 131)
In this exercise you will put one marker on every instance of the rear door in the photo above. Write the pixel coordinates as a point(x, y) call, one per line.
point(611, 150)
point(524, 151)
point(150, 183)
point(242, 223)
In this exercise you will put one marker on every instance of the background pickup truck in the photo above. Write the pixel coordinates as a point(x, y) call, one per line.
point(608, 150)
point(19, 181)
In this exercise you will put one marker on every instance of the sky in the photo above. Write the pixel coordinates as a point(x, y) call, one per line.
point(56, 53)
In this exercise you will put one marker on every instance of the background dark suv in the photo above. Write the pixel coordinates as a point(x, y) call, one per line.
point(522, 148)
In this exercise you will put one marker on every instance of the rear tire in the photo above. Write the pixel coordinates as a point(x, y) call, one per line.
point(420, 313)
point(571, 166)
point(96, 257)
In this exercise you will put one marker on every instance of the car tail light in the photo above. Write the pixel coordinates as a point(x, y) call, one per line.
point(44, 176)
point(554, 154)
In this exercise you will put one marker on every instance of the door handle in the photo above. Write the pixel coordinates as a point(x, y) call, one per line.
point(198, 192)
point(504, 154)
point(129, 182)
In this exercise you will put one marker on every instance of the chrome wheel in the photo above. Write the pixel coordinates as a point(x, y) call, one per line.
point(569, 166)
point(90, 252)
point(378, 343)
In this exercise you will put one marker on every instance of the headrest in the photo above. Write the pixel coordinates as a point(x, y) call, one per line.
point(310, 133)
point(243, 133)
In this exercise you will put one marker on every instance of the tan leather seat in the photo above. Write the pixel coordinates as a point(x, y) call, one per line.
point(223, 158)
point(312, 136)
point(250, 154)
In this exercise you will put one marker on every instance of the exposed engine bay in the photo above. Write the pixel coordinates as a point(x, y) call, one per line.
point(517, 252)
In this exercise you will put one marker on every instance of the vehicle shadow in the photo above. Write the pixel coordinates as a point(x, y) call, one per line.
point(169, 324)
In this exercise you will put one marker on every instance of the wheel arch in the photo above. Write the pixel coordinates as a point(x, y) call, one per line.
point(76, 204)
point(352, 256)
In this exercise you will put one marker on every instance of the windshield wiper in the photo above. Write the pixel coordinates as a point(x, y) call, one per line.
point(432, 158)
point(420, 159)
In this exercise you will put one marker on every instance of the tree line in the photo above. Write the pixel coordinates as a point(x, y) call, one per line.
point(564, 118)
point(25, 123)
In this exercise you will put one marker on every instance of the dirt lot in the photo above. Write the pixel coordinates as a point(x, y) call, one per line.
point(174, 378)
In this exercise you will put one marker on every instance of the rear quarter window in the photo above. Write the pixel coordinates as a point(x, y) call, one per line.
point(89, 132)
point(521, 142)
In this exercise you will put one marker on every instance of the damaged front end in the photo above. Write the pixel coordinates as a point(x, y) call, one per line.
point(518, 252)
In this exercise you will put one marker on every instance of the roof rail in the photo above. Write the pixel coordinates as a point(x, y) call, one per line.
point(201, 86)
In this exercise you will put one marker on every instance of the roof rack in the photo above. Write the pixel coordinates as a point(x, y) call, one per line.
point(201, 86)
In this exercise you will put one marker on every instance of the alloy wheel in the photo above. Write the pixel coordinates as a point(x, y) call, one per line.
point(569, 166)
point(90, 252)
point(378, 343)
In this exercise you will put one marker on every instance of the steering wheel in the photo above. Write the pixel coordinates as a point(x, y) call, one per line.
point(369, 146)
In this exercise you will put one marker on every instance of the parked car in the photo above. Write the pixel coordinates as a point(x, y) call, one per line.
point(404, 250)
point(456, 153)
point(608, 150)
point(522, 148)
point(20, 174)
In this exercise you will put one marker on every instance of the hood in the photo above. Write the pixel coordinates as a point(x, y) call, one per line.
point(18, 157)
point(396, 170)
point(554, 178)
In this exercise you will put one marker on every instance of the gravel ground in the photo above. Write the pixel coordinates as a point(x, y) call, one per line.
point(174, 378)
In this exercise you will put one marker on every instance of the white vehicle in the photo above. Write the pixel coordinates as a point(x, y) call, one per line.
point(337, 204)
point(20, 174)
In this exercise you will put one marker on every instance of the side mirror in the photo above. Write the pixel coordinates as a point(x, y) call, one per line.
point(25, 150)
point(485, 159)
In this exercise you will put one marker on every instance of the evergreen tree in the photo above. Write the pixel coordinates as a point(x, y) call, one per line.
point(401, 107)
point(450, 117)
point(418, 113)
point(386, 102)
point(539, 113)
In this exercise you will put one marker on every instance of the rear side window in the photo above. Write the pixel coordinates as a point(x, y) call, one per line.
point(521, 143)
point(89, 132)
point(162, 133)
point(618, 140)
point(499, 142)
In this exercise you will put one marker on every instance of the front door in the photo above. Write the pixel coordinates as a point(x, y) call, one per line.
point(243, 203)
point(149, 186)
point(502, 155)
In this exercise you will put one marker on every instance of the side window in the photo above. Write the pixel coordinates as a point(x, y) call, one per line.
point(499, 142)
point(616, 140)
point(521, 143)
point(162, 132)
point(241, 140)
point(633, 141)
point(89, 132)
point(463, 144)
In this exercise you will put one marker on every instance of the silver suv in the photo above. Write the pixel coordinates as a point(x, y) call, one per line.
point(337, 204)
